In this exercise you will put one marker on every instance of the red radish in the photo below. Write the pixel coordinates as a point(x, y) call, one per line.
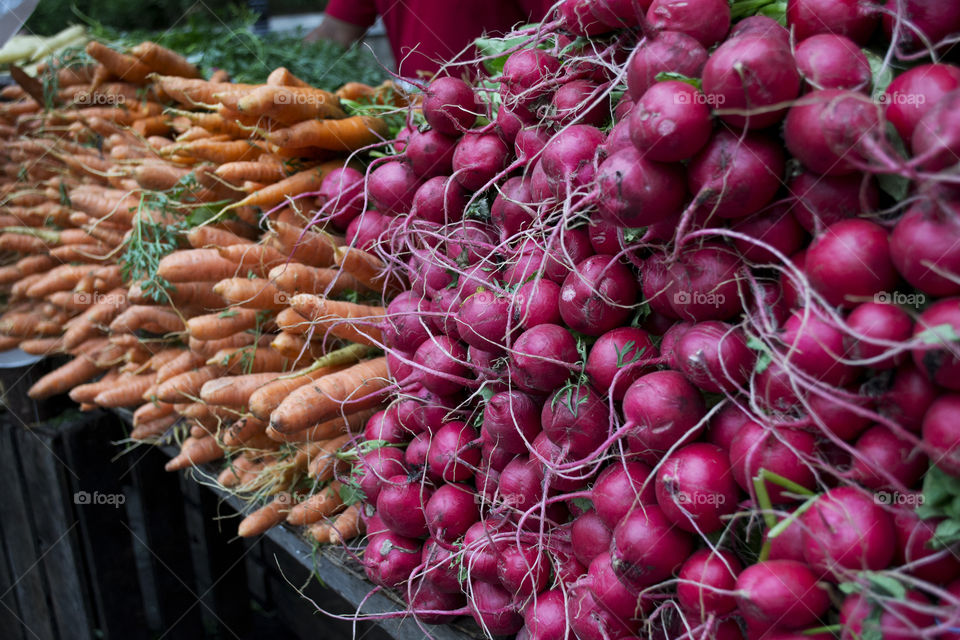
point(573, 101)
point(934, 327)
point(914, 92)
point(430, 153)
point(749, 78)
point(774, 226)
point(493, 608)
point(545, 616)
point(543, 357)
point(450, 106)
point(511, 419)
point(836, 418)
point(781, 451)
point(450, 511)
point(577, 18)
point(546, 449)
point(469, 243)
point(850, 261)
point(523, 570)
point(567, 160)
point(847, 529)
point(880, 450)
point(615, 355)
point(613, 594)
point(531, 141)
point(725, 424)
point(520, 483)
point(427, 600)
point(344, 188)
point(667, 51)
point(827, 130)
point(604, 237)
point(636, 192)
point(482, 320)
point(567, 249)
point(852, 18)
point(454, 452)
point(706, 20)
point(512, 210)
point(526, 74)
point(670, 122)
point(597, 295)
point(703, 578)
point(589, 620)
point(913, 545)
point(760, 25)
point(668, 345)
point(648, 547)
point(365, 230)
point(880, 321)
point(392, 186)
point(536, 302)
point(429, 274)
point(389, 559)
point(589, 537)
point(480, 553)
point(374, 468)
point(441, 357)
point(404, 329)
point(400, 506)
point(780, 593)
point(816, 348)
point(400, 371)
point(618, 138)
point(695, 487)
point(618, 14)
point(819, 201)
point(923, 247)
point(907, 399)
point(440, 566)
point(576, 419)
point(702, 285)
point(923, 22)
point(385, 426)
point(714, 356)
point(829, 61)
point(422, 410)
point(510, 122)
point(941, 433)
point(439, 200)
point(734, 176)
point(620, 489)
point(788, 544)
point(478, 158)
point(663, 409)
point(899, 620)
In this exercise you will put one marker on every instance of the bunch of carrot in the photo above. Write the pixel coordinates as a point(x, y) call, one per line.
point(251, 340)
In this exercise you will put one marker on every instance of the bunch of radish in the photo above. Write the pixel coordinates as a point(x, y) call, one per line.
point(680, 356)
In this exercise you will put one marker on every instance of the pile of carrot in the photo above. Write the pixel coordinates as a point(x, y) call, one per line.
point(252, 341)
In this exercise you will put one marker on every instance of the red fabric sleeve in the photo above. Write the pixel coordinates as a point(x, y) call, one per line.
point(362, 13)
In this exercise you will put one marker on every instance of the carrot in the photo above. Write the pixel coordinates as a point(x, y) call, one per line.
point(307, 247)
point(125, 392)
point(43, 346)
point(161, 60)
point(294, 277)
point(193, 92)
point(347, 134)
point(282, 77)
point(266, 172)
point(242, 430)
point(81, 253)
point(8, 342)
point(216, 151)
point(21, 243)
point(195, 451)
point(187, 265)
point(210, 236)
point(234, 391)
point(266, 517)
point(87, 392)
point(34, 264)
point(58, 279)
point(346, 526)
point(250, 360)
point(151, 411)
point(252, 293)
point(231, 475)
point(268, 397)
point(353, 423)
point(152, 319)
point(208, 348)
point(64, 378)
point(322, 504)
point(153, 427)
point(253, 258)
point(358, 387)
point(180, 294)
point(329, 315)
point(367, 269)
point(305, 181)
point(213, 123)
point(224, 324)
point(286, 105)
point(294, 347)
point(185, 385)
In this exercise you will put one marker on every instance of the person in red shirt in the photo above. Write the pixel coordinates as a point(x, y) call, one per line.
point(424, 33)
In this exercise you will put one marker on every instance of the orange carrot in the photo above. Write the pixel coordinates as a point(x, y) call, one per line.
point(234, 391)
point(252, 293)
point(64, 378)
point(287, 105)
point(347, 134)
point(43, 346)
point(154, 427)
point(119, 64)
point(208, 348)
point(346, 526)
point(358, 387)
point(216, 151)
point(353, 423)
point(253, 258)
point(322, 504)
point(187, 265)
point(307, 247)
point(87, 392)
point(294, 277)
point(220, 325)
point(266, 517)
point(152, 319)
point(193, 92)
point(21, 243)
point(302, 182)
point(324, 462)
point(126, 391)
point(151, 411)
point(294, 347)
point(213, 237)
point(367, 269)
point(161, 60)
point(251, 360)
point(193, 295)
point(333, 316)
point(266, 172)
point(195, 451)
point(242, 430)
point(282, 77)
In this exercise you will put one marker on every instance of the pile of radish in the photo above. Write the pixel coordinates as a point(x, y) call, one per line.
point(680, 356)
